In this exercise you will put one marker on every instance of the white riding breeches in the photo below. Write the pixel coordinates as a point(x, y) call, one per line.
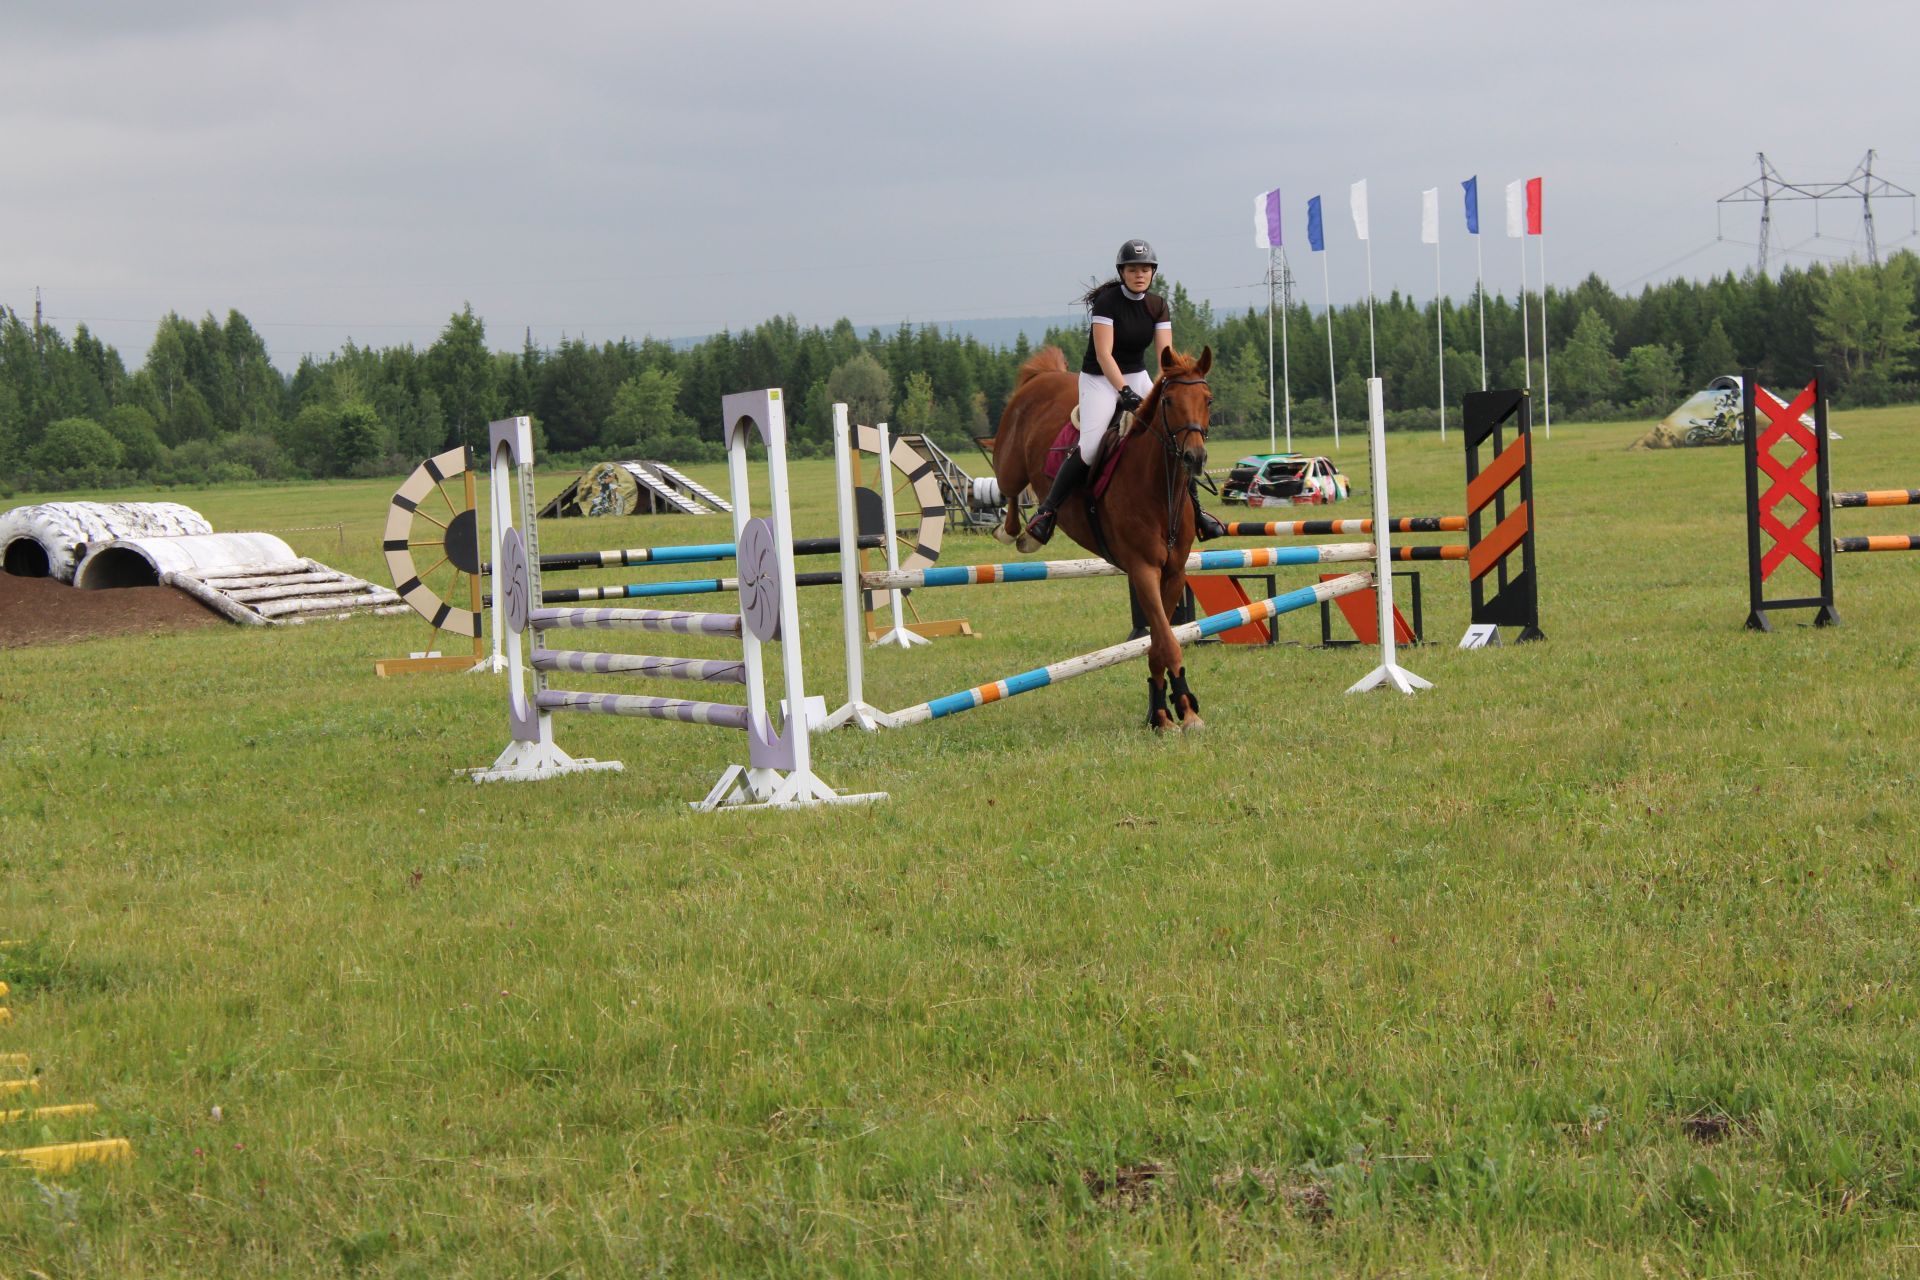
point(1097, 400)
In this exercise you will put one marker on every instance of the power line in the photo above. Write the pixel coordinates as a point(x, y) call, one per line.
point(1862, 184)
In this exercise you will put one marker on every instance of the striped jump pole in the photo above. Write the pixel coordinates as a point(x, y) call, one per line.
point(686, 624)
point(1876, 498)
point(1127, 651)
point(726, 715)
point(690, 554)
point(711, 670)
point(1330, 528)
point(979, 575)
point(1879, 542)
point(679, 587)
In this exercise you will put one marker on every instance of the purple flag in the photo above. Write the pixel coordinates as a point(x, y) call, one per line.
point(1266, 219)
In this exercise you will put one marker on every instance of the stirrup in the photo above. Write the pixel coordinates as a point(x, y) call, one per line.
point(1207, 527)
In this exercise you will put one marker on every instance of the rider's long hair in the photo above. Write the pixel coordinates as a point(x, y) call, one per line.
point(1112, 282)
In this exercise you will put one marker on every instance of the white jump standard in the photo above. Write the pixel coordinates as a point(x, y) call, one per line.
point(779, 771)
point(1389, 674)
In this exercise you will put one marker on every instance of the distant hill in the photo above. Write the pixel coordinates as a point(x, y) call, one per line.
point(1005, 331)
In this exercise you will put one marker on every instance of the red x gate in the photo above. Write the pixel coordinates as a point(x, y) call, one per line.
point(1788, 541)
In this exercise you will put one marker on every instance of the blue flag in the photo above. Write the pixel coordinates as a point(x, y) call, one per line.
point(1472, 187)
point(1316, 235)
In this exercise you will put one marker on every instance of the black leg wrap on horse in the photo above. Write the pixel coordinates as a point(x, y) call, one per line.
point(1157, 704)
point(1177, 686)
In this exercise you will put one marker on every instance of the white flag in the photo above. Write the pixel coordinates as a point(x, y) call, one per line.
point(1266, 220)
point(1358, 194)
point(1430, 216)
point(1516, 208)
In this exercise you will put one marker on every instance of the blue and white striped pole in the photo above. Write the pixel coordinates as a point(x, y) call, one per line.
point(1127, 651)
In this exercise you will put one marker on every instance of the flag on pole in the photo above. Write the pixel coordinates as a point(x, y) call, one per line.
point(1471, 189)
point(1430, 234)
point(1534, 228)
point(1266, 220)
point(1317, 241)
point(1357, 195)
point(1517, 230)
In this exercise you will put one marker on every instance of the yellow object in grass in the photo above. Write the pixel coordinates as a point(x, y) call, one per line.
point(62, 1156)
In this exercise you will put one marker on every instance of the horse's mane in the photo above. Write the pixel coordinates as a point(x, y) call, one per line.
point(1181, 364)
point(1045, 360)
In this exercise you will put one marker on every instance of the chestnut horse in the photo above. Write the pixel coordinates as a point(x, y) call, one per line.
point(1146, 516)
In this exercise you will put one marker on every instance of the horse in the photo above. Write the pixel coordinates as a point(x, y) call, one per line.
point(1145, 522)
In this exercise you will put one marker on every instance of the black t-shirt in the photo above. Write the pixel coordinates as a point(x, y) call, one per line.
point(1133, 320)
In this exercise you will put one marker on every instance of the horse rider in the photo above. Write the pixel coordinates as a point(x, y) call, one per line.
point(1127, 318)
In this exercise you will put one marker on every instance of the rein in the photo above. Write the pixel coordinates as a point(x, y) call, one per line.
point(1170, 444)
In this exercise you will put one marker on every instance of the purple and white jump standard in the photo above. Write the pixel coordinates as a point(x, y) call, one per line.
point(779, 769)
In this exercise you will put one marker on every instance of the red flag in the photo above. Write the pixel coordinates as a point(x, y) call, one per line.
point(1533, 206)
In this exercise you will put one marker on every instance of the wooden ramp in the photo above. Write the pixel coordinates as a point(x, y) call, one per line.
point(689, 485)
point(280, 594)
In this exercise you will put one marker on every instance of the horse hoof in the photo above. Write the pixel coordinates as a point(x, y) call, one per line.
point(1193, 724)
point(1001, 535)
point(1028, 544)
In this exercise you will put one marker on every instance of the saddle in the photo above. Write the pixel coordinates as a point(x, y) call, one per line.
point(1106, 461)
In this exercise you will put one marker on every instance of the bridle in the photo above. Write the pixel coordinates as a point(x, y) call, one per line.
point(1170, 437)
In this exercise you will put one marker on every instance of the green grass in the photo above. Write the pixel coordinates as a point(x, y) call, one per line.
point(1596, 960)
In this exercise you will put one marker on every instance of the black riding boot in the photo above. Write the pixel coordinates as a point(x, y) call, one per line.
point(1205, 527)
point(1072, 471)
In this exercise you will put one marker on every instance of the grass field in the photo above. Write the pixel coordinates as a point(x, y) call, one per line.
point(1596, 960)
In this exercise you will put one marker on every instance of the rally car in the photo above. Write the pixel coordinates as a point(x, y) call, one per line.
point(1284, 479)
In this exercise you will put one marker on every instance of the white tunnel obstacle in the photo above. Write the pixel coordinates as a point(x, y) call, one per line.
point(48, 539)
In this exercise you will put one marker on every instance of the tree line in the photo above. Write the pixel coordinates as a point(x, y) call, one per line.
point(208, 405)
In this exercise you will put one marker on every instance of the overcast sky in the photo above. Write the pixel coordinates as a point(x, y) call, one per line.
point(339, 169)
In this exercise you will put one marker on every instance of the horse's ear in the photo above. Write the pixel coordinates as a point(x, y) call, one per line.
point(1206, 360)
point(1166, 359)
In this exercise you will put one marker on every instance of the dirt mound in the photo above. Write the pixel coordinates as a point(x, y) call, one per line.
point(45, 611)
point(1661, 437)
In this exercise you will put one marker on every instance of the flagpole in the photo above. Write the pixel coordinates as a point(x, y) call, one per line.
point(1526, 348)
point(1546, 379)
point(1286, 362)
point(1372, 360)
point(1333, 375)
point(1440, 337)
point(1480, 287)
point(1270, 400)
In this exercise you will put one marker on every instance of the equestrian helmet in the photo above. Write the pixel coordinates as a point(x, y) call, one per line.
point(1136, 253)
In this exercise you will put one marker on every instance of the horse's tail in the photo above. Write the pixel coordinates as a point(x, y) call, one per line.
point(1045, 360)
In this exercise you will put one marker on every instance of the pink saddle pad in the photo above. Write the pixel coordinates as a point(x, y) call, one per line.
point(1104, 466)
